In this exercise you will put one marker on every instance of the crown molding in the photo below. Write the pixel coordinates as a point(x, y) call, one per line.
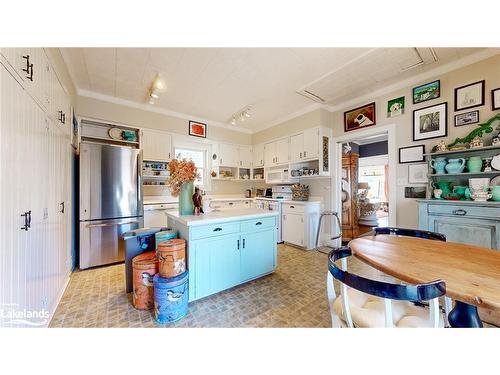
point(300, 112)
point(164, 111)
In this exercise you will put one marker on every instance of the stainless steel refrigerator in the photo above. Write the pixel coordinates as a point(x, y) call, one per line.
point(110, 201)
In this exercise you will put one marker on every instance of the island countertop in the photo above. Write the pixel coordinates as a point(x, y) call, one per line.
point(220, 216)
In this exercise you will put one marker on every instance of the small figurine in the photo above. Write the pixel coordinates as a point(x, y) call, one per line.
point(476, 142)
point(197, 202)
point(441, 146)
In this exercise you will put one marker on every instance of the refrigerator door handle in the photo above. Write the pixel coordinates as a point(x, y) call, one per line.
point(112, 224)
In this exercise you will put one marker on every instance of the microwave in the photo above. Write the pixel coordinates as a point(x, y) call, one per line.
point(276, 176)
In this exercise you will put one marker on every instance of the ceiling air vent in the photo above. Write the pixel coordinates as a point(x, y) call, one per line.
point(424, 56)
point(310, 95)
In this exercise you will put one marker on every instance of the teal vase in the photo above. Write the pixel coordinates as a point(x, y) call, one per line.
point(186, 206)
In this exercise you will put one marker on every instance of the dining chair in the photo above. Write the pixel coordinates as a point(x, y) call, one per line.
point(419, 234)
point(363, 302)
point(410, 233)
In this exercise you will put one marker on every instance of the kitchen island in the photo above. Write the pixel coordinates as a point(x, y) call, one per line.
point(226, 248)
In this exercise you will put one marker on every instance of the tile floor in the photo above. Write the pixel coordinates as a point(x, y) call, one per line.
point(294, 296)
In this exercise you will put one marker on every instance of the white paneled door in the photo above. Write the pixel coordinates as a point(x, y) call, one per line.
point(35, 165)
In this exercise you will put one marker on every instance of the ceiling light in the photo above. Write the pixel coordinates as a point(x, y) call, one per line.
point(154, 95)
point(158, 84)
point(241, 115)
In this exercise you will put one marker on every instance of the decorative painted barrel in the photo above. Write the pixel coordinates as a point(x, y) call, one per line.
point(171, 257)
point(171, 298)
point(144, 267)
point(164, 235)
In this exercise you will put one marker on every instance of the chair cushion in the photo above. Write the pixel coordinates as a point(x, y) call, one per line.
point(368, 311)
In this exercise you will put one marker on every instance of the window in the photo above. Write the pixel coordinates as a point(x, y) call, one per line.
point(199, 159)
point(375, 177)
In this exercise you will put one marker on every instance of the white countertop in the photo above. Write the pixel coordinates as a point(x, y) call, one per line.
point(221, 216)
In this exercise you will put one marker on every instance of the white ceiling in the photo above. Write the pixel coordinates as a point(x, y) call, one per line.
point(215, 83)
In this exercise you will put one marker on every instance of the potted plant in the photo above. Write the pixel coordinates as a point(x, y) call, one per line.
point(183, 173)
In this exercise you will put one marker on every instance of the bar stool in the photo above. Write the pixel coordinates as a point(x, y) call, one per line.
point(370, 303)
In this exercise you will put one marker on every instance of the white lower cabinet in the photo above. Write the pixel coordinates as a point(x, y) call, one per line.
point(300, 223)
point(35, 205)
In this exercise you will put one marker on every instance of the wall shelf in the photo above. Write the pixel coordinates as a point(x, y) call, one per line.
point(466, 151)
point(465, 174)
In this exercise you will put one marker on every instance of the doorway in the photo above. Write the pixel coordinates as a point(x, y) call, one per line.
point(364, 180)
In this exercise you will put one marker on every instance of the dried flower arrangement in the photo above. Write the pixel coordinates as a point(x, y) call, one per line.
point(181, 171)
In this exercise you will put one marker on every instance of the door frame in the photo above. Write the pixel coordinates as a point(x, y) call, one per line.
point(390, 130)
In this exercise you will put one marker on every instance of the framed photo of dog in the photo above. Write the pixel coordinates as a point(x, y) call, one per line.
point(360, 117)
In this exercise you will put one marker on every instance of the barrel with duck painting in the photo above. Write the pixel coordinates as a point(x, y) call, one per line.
point(171, 298)
point(171, 257)
point(144, 267)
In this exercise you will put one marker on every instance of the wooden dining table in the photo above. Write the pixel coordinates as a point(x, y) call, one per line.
point(471, 273)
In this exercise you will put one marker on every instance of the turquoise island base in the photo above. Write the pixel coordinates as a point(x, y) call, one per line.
point(227, 248)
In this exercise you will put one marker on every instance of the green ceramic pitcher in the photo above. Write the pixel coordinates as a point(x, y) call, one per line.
point(445, 186)
point(474, 164)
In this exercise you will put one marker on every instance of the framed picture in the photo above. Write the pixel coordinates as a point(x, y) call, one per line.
point(469, 96)
point(495, 99)
point(396, 107)
point(411, 154)
point(429, 91)
point(430, 122)
point(197, 129)
point(360, 117)
point(467, 118)
point(418, 192)
point(417, 173)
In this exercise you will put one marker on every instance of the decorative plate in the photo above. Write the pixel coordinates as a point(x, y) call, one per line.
point(495, 162)
point(495, 181)
point(115, 133)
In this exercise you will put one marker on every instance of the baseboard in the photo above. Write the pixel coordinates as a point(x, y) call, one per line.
point(58, 300)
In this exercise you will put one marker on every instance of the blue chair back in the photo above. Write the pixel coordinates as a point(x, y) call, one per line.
point(410, 233)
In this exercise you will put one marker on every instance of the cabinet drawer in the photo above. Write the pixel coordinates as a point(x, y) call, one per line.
point(258, 224)
point(293, 208)
point(465, 210)
point(214, 230)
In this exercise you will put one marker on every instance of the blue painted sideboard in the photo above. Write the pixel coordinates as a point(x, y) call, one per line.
point(224, 254)
point(475, 223)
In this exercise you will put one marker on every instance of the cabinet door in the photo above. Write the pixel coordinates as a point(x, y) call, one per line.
point(282, 155)
point(293, 229)
point(245, 154)
point(228, 155)
point(257, 254)
point(478, 232)
point(224, 262)
point(270, 154)
point(18, 59)
point(258, 155)
point(311, 143)
point(156, 145)
point(296, 147)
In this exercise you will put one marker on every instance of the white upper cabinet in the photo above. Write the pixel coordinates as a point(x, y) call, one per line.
point(245, 153)
point(258, 155)
point(228, 155)
point(276, 152)
point(269, 153)
point(282, 151)
point(296, 147)
point(156, 145)
point(311, 144)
